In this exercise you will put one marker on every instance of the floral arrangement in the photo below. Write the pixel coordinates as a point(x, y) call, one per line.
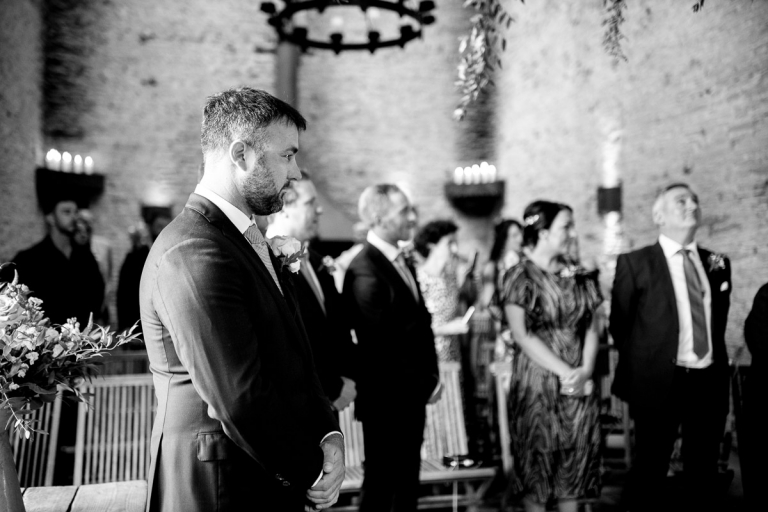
point(37, 357)
point(288, 250)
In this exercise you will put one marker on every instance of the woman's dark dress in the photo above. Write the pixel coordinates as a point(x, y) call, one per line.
point(555, 438)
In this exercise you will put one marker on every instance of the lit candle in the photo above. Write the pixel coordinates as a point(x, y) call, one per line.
point(88, 165)
point(484, 172)
point(475, 173)
point(458, 176)
point(467, 175)
point(53, 160)
point(337, 22)
point(66, 162)
point(77, 164)
point(494, 174)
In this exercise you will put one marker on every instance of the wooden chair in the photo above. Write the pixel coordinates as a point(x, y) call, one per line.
point(444, 435)
point(35, 457)
point(112, 443)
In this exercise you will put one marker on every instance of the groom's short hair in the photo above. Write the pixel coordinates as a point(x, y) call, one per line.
point(242, 114)
point(375, 202)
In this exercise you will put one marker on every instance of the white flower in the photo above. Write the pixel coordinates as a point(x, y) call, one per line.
point(716, 262)
point(284, 246)
point(294, 266)
point(22, 373)
point(10, 311)
point(57, 350)
point(13, 386)
point(32, 356)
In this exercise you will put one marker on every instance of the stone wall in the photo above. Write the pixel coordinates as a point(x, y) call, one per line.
point(20, 123)
point(690, 104)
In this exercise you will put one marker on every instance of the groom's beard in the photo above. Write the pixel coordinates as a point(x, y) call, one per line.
point(260, 193)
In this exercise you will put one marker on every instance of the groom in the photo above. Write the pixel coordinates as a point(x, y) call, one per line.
point(242, 422)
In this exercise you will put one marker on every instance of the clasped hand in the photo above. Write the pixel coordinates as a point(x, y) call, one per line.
point(326, 491)
point(574, 382)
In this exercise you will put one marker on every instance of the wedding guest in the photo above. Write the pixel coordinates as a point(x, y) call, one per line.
point(130, 273)
point(64, 275)
point(242, 421)
point(398, 372)
point(669, 310)
point(505, 254)
point(102, 252)
point(753, 444)
point(554, 417)
point(436, 243)
point(322, 312)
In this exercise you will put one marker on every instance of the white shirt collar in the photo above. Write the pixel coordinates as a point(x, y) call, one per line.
point(670, 247)
point(388, 250)
point(233, 213)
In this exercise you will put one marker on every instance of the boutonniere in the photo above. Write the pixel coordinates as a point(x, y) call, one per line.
point(716, 262)
point(329, 265)
point(288, 251)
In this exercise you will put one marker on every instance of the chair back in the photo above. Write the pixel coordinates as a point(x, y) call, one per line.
point(445, 432)
point(125, 362)
point(35, 457)
point(113, 434)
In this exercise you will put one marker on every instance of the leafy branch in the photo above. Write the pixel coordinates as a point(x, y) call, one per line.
point(613, 36)
point(479, 51)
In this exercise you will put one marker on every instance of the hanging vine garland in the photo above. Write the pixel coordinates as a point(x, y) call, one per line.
point(479, 51)
point(613, 36)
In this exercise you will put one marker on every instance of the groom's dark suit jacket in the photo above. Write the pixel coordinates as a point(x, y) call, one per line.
point(328, 328)
point(645, 327)
point(398, 363)
point(240, 409)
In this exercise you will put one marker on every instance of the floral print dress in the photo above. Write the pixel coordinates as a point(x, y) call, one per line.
point(555, 438)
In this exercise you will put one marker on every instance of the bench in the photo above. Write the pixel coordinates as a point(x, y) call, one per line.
point(445, 434)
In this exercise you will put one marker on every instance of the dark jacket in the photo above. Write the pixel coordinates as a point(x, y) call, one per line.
point(327, 327)
point(645, 328)
point(398, 363)
point(240, 406)
point(69, 287)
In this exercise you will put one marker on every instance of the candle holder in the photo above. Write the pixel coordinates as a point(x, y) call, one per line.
point(476, 199)
point(608, 199)
point(83, 188)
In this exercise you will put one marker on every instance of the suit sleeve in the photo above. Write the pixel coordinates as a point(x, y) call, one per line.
point(756, 325)
point(196, 293)
point(623, 309)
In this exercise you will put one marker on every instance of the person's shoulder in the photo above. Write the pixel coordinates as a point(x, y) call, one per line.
point(32, 251)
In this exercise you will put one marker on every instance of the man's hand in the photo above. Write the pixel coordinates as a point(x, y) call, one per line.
point(436, 394)
point(347, 396)
point(326, 492)
point(450, 328)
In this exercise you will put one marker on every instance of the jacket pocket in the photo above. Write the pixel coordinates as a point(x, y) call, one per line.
point(212, 446)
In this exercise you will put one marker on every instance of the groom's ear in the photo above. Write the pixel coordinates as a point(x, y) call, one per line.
point(236, 154)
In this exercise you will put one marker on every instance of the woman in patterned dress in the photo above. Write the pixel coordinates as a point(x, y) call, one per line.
point(554, 417)
point(436, 243)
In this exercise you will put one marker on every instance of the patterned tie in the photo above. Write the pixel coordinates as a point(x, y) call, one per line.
point(314, 283)
point(256, 239)
point(405, 273)
point(695, 297)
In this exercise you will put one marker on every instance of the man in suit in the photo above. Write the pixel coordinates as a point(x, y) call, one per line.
point(324, 317)
point(398, 372)
point(668, 317)
point(242, 422)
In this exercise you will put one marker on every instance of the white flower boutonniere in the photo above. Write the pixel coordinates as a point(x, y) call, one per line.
point(329, 264)
point(288, 250)
point(568, 271)
point(716, 262)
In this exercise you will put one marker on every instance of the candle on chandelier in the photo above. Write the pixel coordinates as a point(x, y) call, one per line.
point(458, 176)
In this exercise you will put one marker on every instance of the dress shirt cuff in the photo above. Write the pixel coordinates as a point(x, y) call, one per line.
point(326, 436)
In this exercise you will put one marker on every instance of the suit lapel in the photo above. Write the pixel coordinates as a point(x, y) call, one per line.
point(394, 277)
point(660, 270)
point(217, 218)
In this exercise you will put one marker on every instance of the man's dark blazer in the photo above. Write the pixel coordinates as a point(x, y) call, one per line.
point(240, 411)
point(328, 330)
point(398, 363)
point(645, 327)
